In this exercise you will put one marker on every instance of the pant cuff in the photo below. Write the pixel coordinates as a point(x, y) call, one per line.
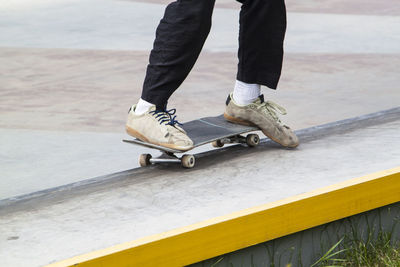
point(267, 79)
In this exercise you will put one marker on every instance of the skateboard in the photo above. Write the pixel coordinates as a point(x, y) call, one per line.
point(215, 130)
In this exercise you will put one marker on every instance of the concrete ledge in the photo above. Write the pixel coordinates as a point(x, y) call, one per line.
point(131, 208)
point(38, 198)
point(242, 229)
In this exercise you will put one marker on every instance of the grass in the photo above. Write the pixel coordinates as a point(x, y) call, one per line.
point(364, 241)
point(382, 251)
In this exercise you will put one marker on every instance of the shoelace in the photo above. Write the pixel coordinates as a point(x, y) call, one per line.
point(165, 116)
point(272, 108)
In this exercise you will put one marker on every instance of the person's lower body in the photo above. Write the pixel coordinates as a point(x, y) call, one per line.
point(183, 30)
point(180, 37)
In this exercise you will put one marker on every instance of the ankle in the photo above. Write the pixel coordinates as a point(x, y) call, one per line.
point(142, 107)
point(246, 93)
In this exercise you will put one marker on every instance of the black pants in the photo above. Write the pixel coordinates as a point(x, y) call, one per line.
point(183, 30)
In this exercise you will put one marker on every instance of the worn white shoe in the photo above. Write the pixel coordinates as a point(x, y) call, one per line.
point(159, 128)
point(264, 115)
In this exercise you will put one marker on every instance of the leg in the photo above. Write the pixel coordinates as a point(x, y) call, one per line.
point(261, 36)
point(180, 37)
point(262, 31)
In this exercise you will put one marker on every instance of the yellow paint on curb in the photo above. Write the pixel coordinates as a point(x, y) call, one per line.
point(252, 226)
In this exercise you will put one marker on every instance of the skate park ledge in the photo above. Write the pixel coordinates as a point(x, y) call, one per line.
point(224, 234)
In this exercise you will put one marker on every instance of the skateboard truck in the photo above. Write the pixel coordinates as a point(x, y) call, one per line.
point(251, 140)
point(188, 160)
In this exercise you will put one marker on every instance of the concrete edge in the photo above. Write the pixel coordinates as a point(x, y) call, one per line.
point(245, 228)
point(21, 202)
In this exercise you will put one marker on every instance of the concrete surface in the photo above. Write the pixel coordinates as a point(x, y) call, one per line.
point(91, 90)
point(25, 161)
point(70, 69)
point(33, 160)
point(362, 7)
point(130, 205)
point(122, 25)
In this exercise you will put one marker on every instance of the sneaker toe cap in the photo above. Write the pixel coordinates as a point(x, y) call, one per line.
point(183, 142)
point(291, 139)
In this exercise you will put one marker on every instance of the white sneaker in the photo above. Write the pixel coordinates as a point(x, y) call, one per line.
point(159, 128)
point(262, 114)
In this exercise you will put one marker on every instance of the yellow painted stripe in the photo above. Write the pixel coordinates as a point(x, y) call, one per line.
point(252, 226)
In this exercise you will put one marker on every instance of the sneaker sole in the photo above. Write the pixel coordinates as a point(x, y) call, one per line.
point(141, 137)
point(248, 123)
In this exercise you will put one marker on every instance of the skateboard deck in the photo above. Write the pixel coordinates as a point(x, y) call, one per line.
point(203, 131)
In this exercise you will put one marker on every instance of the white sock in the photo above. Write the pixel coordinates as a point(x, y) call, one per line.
point(246, 93)
point(142, 106)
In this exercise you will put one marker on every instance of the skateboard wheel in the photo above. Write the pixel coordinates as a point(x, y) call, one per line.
point(188, 161)
point(144, 160)
point(217, 143)
point(252, 140)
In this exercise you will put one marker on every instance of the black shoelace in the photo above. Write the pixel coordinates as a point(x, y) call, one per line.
point(166, 116)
